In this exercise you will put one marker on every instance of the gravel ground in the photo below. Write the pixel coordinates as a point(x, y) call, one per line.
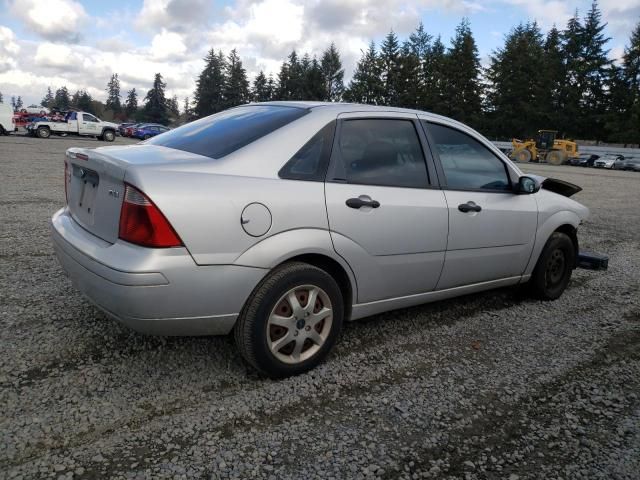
point(494, 385)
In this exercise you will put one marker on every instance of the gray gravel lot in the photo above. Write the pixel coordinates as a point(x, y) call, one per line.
point(490, 386)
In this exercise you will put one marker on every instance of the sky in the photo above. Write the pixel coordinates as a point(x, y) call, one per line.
point(80, 44)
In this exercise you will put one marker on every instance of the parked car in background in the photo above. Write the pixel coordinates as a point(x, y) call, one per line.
point(279, 221)
point(123, 127)
point(629, 163)
point(584, 160)
point(608, 160)
point(36, 109)
point(7, 124)
point(128, 131)
point(149, 130)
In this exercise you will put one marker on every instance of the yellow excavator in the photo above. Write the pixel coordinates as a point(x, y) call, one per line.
point(546, 148)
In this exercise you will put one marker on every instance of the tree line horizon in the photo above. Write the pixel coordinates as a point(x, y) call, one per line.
point(562, 80)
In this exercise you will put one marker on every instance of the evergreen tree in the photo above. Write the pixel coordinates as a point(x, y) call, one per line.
point(410, 81)
point(18, 103)
point(623, 119)
point(48, 100)
point(366, 85)
point(315, 85)
point(155, 108)
point(291, 79)
point(187, 112)
point(435, 81)
point(1, 99)
point(211, 83)
point(236, 91)
point(13, 103)
point(572, 85)
point(553, 74)
point(84, 102)
point(418, 49)
point(389, 59)
point(518, 93)
point(173, 107)
point(113, 94)
point(596, 68)
point(463, 90)
point(61, 99)
point(261, 91)
point(131, 104)
point(332, 74)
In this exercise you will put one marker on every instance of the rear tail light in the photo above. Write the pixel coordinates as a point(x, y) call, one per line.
point(142, 223)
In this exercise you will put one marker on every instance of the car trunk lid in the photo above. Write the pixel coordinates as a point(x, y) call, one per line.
point(95, 182)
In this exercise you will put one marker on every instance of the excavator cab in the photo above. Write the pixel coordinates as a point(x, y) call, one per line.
point(546, 139)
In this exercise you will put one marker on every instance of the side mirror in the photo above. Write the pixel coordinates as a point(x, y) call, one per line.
point(527, 186)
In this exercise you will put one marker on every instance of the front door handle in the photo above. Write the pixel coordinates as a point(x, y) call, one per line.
point(359, 203)
point(469, 207)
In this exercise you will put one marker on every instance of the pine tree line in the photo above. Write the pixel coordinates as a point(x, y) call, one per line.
point(561, 80)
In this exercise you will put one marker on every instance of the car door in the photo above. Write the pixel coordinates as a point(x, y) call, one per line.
point(491, 229)
point(88, 125)
point(387, 217)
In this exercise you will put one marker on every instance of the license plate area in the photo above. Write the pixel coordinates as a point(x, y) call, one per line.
point(85, 189)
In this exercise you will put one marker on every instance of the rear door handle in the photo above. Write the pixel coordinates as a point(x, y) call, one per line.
point(359, 203)
point(469, 207)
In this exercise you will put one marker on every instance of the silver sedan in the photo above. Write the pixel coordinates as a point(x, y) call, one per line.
point(280, 221)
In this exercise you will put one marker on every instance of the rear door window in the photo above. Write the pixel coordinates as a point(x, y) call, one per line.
point(380, 151)
point(225, 132)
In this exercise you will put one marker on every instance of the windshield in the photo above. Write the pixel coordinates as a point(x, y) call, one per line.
point(225, 132)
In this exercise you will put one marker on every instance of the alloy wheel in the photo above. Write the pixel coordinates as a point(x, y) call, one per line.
point(299, 324)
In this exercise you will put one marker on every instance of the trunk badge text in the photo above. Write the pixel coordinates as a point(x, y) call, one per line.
point(114, 193)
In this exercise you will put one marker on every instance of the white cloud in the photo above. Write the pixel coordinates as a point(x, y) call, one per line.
point(56, 20)
point(168, 45)
point(9, 49)
point(175, 15)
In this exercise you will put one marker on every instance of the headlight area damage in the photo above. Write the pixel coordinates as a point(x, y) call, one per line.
point(560, 187)
point(587, 260)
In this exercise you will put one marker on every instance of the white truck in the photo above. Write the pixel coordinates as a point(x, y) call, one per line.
point(76, 123)
point(6, 119)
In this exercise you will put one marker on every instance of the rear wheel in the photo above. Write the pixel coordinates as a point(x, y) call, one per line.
point(523, 155)
point(43, 132)
point(147, 137)
point(556, 157)
point(291, 321)
point(554, 268)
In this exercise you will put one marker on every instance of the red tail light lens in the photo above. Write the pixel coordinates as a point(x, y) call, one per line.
point(142, 223)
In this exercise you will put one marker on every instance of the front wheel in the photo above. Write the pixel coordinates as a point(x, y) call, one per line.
point(108, 136)
point(554, 268)
point(43, 132)
point(291, 321)
point(522, 155)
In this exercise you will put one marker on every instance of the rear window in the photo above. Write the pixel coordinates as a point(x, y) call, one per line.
point(228, 131)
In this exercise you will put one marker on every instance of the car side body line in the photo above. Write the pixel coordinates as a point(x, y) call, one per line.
point(362, 310)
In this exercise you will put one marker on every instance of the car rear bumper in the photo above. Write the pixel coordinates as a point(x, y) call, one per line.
point(153, 291)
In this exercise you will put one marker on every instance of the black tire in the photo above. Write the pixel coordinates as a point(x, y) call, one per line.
point(251, 332)
point(522, 155)
point(3, 131)
point(147, 137)
point(552, 273)
point(108, 136)
point(43, 132)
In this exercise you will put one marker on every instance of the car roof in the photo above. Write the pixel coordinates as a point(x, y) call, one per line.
point(342, 107)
